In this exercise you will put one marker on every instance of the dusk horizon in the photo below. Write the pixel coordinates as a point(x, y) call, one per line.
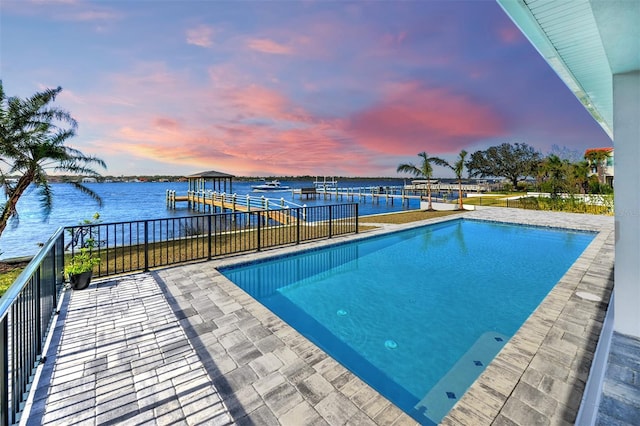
point(289, 88)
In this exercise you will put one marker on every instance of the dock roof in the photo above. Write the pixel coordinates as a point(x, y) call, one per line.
point(210, 174)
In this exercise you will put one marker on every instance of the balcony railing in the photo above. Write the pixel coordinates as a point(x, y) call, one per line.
point(29, 305)
point(26, 312)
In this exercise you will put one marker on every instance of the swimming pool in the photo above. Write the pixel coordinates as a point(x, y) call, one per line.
point(417, 314)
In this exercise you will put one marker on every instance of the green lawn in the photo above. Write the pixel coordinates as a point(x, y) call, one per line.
point(405, 217)
point(8, 277)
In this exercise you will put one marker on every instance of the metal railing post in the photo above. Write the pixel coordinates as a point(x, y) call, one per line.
point(58, 265)
point(298, 212)
point(37, 315)
point(330, 221)
point(146, 245)
point(209, 238)
point(259, 219)
point(4, 372)
point(357, 218)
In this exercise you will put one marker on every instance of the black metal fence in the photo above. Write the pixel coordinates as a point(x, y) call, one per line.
point(140, 245)
point(26, 311)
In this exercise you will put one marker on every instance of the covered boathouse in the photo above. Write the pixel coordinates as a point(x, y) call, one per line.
point(218, 181)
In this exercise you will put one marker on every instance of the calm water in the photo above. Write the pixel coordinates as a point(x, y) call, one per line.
point(417, 314)
point(135, 201)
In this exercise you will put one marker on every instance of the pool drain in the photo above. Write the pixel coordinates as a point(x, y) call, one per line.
point(391, 344)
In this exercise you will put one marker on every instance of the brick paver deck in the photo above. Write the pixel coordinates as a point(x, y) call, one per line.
point(122, 357)
point(183, 345)
point(620, 400)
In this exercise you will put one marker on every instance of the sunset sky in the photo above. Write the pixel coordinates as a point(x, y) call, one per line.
point(288, 87)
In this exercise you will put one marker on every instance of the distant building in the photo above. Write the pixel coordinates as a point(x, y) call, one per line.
point(604, 169)
point(89, 180)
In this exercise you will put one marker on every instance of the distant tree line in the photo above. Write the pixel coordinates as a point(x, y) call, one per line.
point(524, 168)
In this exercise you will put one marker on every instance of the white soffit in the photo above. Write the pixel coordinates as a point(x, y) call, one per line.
point(585, 42)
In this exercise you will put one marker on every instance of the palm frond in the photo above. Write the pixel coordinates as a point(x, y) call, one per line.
point(409, 168)
point(87, 191)
point(46, 195)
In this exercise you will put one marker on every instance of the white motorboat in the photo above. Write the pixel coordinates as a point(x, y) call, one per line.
point(274, 185)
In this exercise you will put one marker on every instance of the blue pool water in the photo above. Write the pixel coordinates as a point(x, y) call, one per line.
point(417, 314)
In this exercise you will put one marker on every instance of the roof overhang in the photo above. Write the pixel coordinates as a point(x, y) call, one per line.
point(586, 42)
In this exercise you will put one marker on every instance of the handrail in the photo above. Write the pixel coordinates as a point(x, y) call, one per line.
point(288, 203)
point(247, 200)
point(13, 291)
point(26, 311)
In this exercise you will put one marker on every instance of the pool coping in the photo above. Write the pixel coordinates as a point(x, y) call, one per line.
point(540, 374)
point(539, 377)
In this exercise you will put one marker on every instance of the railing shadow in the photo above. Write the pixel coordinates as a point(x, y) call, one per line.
point(236, 409)
point(584, 363)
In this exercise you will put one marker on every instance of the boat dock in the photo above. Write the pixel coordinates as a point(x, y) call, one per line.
point(388, 194)
point(211, 201)
point(217, 199)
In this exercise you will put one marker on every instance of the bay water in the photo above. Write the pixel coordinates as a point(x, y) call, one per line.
point(127, 201)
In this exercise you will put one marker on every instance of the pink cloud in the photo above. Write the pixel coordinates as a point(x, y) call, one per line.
point(394, 39)
point(240, 148)
point(93, 15)
point(65, 10)
point(166, 123)
point(510, 34)
point(200, 36)
point(155, 114)
point(263, 133)
point(412, 118)
point(259, 101)
point(268, 46)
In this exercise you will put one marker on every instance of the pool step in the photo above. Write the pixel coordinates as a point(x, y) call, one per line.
point(443, 396)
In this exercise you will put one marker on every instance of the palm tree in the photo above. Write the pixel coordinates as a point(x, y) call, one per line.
point(458, 168)
point(597, 158)
point(425, 169)
point(32, 142)
point(579, 176)
point(553, 172)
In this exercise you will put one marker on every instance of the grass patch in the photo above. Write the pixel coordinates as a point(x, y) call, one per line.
point(8, 274)
point(406, 217)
